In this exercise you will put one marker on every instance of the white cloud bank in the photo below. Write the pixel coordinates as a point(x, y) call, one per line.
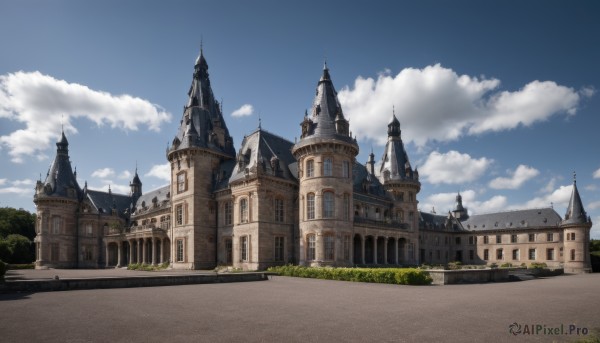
point(597, 174)
point(521, 175)
point(435, 103)
point(18, 187)
point(444, 202)
point(40, 101)
point(244, 111)
point(160, 171)
point(103, 173)
point(453, 167)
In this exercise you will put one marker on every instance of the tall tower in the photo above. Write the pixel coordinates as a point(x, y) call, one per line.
point(57, 200)
point(201, 144)
point(401, 182)
point(326, 153)
point(576, 228)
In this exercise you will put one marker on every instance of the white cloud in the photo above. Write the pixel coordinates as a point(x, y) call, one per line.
point(245, 110)
point(435, 103)
point(2, 181)
point(594, 205)
point(597, 174)
point(114, 187)
point(444, 202)
point(21, 191)
point(24, 182)
point(103, 173)
point(559, 198)
point(40, 101)
point(125, 175)
point(160, 171)
point(453, 167)
point(550, 186)
point(521, 175)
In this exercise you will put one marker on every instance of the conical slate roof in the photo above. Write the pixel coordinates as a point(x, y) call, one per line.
point(395, 165)
point(575, 212)
point(60, 177)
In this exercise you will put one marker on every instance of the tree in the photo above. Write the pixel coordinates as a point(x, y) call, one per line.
point(13, 221)
point(20, 249)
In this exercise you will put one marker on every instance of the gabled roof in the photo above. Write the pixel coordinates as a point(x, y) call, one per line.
point(432, 221)
point(531, 218)
point(104, 202)
point(264, 153)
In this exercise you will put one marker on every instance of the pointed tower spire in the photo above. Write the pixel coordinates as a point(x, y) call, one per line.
point(575, 212)
point(60, 179)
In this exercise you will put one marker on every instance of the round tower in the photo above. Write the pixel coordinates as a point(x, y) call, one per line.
point(326, 153)
point(576, 226)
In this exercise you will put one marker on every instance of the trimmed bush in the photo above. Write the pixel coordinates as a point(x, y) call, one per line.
point(536, 265)
point(399, 276)
point(147, 267)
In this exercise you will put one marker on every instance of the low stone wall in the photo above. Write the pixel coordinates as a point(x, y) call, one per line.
point(125, 282)
point(448, 277)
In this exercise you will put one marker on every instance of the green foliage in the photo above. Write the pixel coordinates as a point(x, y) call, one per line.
point(16, 249)
point(400, 276)
point(22, 266)
point(493, 265)
point(3, 268)
point(506, 265)
point(13, 221)
point(536, 265)
point(595, 245)
point(147, 267)
point(454, 265)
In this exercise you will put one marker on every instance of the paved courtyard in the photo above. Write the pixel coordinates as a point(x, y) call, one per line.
point(304, 310)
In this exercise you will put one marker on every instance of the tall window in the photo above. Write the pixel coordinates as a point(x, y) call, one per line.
point(310, 206)
point(228, 216)
point(179, 214)
point(229, 250)
point(244, 248)
point(244, 210)
point(532, 254)
point(486, 240)
point(328, 205)
point(550, 237)
point(88, 229)
point(87, 252)
point(550, 254)
point(347, 206)
point(486, 254)
point(345, 169)
point(347, 248)
point(181, 182)
point(55, 252)
point(279, 248)
point(180, 251)
point(472, 240)
point(499, 254)
point(513, 238)
point(310, 168)
point(329, 246)
point(498, 238)
point(56, 225)
point(327, 166)
point(310, 247)
point(572, 254)
point(532, 237)
point(278, 210)
point(515, 254)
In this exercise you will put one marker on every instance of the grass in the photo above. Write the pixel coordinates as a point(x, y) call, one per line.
point(399, 276)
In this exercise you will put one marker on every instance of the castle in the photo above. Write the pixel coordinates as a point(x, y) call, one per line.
point(276, 202)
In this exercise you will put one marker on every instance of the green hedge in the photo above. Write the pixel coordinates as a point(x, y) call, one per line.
point(400, 276)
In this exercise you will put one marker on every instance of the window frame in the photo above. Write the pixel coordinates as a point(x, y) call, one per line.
point(329, 247)
point(310, 168)
point(311, 245)
point(328, 166)
point(328, 204)
point(279, 210)
point(244, 217)
point(181, 182)
point(279, 251)
point(244, 249)
point(310, 206)
point(180, 250)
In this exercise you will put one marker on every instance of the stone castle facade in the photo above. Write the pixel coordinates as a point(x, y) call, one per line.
point(275, 202)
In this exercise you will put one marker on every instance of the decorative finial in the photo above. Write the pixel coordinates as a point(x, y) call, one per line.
point(136, 167)
point(201, 44)
point(574, 177)
point(394, 110)
point(259, 122)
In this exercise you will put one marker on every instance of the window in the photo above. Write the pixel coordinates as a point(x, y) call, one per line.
point(550, 254)
point(244, 248)
point(310, 247)
point(499, 254)
point(179, 214)
point(329, 244)
point(56, 225)
point(346, 207)
point(572, 236)
point(471, 255)
point(532, 254)
point(279, 210)
point(401, 196)
point(486, 240)
point(88, 229)
point(515, 254)
point(228, 216)
point(513, 238)
point(472, 240)
point(310, 206)
point(180, 251)
point(345, 169)
point(327, 166)
point(347, 248)
point(310, 168)
point(279, 248)
point(328, 204)
point(486, 254)
point(572, 254)
point(550, 237)
point(367, 210)
point(498, 239)
point(532, 237)
point(244, 210)
point(181, 186)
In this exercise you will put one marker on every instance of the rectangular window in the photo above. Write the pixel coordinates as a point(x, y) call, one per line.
point(87, 253)
point(328, 167)
point(499, 254)
point(328, 205)
point(244, 248)
point(486, 240)
point(244, 210)
point(88, 229)
point(56, 225)
point(513, 238)
point(347, 248)
point(515, 255)
point(279, 248)
point(532, 254)
point(498, 239)
point(179, 214)
point(228, 213)
point(438, 254)
point(411, 251)
point(310, 168)
point(346, 207)
point(532, 237)
point(550, 237)
point(550, 254)
point(329, 244)
point(180, 250)
point(472, 240)
point(310, 206)
point(180, 182)
point(279, 210)
point(310, 247)
point(486, 254)
point(345, 169)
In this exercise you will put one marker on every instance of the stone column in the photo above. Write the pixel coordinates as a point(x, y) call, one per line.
point(138, 251)
point(144, 251)
point(119, 248)
point(375, 250)
point(362, 251)
point(162, 251)
point(130, 251)
point(396, 252)
point(107, 256)
point(153, 251)
point(385, 251)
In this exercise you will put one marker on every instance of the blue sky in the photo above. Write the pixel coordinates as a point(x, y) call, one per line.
point(497, 100)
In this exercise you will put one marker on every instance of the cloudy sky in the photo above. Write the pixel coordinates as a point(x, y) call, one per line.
point(497, 100)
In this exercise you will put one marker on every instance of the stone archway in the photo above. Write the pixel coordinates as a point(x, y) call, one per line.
point(369, 244)
point(358, 249)
point(391, 251)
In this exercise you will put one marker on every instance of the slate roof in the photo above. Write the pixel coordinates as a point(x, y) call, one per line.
point(575, 212)
point(362, 179)
point(395, 161)
point(260, 152)
point(146, 201)
point(431, 221)
point(60, 176)
point(532, 218)
point(103, 202)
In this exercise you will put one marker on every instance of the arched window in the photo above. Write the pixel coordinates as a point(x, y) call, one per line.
point(310, 247)
point(328, 205)
point(310, 206)
point(244, 210)
point(310, 168)
point(327, 166)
